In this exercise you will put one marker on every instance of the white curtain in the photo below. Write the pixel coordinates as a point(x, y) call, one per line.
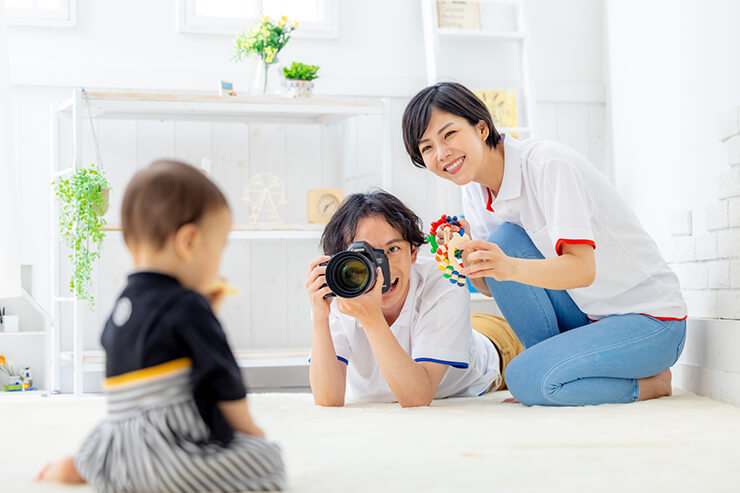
point(10, 270)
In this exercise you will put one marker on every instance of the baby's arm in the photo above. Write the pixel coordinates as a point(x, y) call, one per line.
point(237, 416)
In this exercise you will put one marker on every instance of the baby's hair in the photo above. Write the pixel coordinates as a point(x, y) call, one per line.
point(162, 198)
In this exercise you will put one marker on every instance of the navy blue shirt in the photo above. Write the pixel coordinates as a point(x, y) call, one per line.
point(162, 321)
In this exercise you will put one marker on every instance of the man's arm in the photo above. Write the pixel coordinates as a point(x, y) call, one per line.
point(327, 374)
point(412, 383)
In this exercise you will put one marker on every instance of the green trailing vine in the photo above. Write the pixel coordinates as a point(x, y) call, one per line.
point(82, 205)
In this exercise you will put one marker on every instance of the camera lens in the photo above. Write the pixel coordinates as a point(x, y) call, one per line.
point(350, 274)
point(353, 274)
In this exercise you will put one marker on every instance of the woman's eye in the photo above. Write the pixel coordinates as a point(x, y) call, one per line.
point(425, 148)
point(393, 249)
point(449, 133)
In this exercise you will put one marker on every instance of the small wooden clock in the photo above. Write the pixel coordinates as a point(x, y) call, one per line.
point(322, 203)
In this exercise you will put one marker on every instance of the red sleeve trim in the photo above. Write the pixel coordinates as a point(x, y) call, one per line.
point(490, 200)
point(665, 319)
point(562, 241)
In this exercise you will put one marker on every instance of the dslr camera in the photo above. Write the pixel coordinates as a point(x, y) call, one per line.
point(352, 272)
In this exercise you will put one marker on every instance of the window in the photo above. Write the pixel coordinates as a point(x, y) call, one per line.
point(316, 18)
point(52, 13)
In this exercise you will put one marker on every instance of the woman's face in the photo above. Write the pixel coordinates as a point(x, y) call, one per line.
point(453, 148)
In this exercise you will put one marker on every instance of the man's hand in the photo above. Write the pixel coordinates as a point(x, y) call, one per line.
point(484, 259)
point(317, 288)
point(365, 308)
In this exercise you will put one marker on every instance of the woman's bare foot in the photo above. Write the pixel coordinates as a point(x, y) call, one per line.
point(656, 386)
point(63, 471)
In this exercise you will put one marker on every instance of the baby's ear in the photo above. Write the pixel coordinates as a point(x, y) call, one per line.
point(186, 241)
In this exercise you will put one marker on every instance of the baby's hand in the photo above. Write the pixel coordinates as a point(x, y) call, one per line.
point(218, 292)
point(255, 431)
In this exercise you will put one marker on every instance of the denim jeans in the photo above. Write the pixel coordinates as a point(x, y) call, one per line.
point(569, 361)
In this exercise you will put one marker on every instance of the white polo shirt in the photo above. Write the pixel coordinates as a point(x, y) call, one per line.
point(557, 196)
point(434, 325)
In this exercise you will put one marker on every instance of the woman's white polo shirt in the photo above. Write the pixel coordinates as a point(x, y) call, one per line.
point(557, 196)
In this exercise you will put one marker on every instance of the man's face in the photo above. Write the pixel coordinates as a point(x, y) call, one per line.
point(377, 232)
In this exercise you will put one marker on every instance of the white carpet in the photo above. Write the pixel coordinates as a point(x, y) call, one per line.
point(682, 443)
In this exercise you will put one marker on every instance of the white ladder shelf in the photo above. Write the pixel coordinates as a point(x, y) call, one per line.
point(434, 35)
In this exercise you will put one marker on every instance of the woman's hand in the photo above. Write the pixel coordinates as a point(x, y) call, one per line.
point(317, 288)
point(365, 308)
point(484, 259)
point(453, 229)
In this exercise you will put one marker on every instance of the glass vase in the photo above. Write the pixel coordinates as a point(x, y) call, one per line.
point(266, 79)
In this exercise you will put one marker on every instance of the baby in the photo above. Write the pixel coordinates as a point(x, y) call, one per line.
point(177, 412)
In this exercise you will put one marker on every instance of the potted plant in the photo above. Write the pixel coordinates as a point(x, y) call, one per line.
point(300, 79)
point(83, 202)
point(263, 41)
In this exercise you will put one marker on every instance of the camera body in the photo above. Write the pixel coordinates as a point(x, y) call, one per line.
point(352, 272)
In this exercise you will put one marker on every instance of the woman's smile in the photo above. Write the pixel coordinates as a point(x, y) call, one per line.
point(454, 166)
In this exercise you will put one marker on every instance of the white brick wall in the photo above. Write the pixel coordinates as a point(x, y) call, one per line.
point(706, 246)
point(718, 274)
point(728, 243)
point(681, 249)
point(733, 150)
point(735, 274)
point(679, 222)
point(718, 215)
point(727, 123)
point(708, 262)
point(733, 213)
point(728, 304)
point(729, 184)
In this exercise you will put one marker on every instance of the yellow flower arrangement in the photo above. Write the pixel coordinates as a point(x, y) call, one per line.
point(263, 41)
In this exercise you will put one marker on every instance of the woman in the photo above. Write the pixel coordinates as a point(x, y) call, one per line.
point(579, 280)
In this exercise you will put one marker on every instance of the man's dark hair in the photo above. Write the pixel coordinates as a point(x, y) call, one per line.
point(449, 97)
point(162, 198)
point(340, 231)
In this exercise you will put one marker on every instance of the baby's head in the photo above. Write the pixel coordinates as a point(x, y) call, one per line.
point(175, 220)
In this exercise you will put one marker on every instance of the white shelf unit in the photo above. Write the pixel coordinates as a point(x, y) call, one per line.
point(190, 107)
point(515, 33)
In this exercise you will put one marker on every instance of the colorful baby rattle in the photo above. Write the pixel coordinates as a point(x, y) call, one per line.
point(447, 255)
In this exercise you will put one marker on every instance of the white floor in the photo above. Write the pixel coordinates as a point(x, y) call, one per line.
point(682, 443)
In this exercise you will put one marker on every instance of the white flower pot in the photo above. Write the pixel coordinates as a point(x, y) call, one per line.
point(300, 88)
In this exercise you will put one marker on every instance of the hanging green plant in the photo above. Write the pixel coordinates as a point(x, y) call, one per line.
point(83, 202)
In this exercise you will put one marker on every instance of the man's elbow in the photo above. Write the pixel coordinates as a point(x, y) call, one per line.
point(328, 402)
point(421, 401)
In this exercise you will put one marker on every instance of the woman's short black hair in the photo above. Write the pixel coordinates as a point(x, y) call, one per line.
point(450, 97)
point(340, 231)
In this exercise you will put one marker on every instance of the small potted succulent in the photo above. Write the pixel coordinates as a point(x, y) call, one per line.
point(300, 79)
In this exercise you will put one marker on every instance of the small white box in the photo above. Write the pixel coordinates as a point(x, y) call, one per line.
point(10, 323)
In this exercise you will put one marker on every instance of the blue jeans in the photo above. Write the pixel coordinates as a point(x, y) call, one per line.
point(569, 361)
